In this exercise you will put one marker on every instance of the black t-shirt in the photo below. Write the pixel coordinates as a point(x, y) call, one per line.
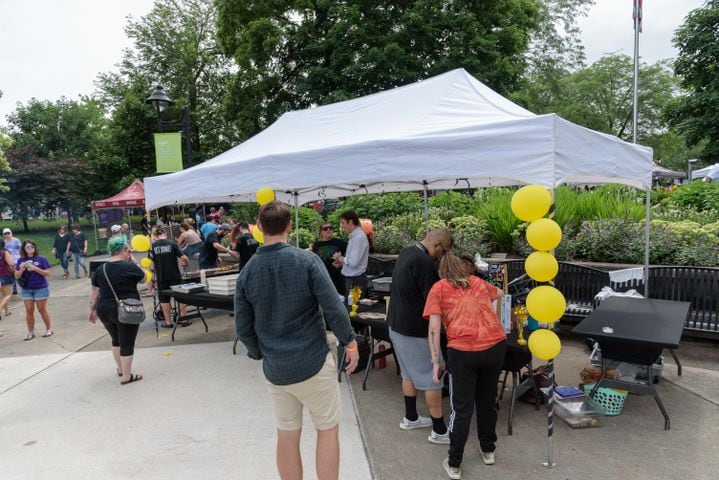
point(414, 274)
point(246, 247)
point(325, 249)
point(60, 244)
point(124, 277)
point(208, 253)
point(77, 243)
point(164, 254)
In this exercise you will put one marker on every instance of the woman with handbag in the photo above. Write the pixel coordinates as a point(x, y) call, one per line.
point(117, 279)
point(475, 353)
point(7, 272)
point(31, 272)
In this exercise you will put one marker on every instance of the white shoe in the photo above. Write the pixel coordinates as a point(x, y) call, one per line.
point(487, 457)
point(454, 473)
point(421, 422)
point(438, 439)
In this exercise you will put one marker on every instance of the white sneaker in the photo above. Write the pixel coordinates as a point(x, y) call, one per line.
point(438, 439)
point(487, 457)
point(454, 473)
point(421, 422)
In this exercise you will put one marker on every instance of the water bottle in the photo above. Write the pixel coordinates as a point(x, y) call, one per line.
point(382, 360)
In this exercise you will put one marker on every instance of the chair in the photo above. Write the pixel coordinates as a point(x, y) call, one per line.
point(515, 359)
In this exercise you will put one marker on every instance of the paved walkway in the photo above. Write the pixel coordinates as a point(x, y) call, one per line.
point(202, 413)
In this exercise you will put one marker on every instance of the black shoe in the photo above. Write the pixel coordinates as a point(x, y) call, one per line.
point(164, 325)
point(185, 323)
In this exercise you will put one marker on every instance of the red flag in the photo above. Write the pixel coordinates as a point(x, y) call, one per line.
point(637, 14)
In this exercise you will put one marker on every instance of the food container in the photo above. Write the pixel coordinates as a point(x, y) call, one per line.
point(223, 285)
point(577, 414)
point(383, 284)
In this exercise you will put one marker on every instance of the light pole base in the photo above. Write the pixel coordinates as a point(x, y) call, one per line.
point(549, 465)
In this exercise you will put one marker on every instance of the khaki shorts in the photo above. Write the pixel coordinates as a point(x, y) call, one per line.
point(320, 394)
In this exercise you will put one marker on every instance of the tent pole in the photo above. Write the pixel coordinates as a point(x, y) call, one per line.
point(94, 227)
point(129, 221)
point(426, 208)
point(297, 220)
point(646, 242)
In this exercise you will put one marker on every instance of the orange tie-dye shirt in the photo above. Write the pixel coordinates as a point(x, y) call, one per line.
point(467, 314)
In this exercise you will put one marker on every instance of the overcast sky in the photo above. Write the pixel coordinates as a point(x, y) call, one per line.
point(51, 48)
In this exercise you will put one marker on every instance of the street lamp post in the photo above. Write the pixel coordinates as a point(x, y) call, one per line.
point(160, 101)
point(690, 162)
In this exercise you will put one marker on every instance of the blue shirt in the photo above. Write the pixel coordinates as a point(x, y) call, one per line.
point(207, 229)
point(283, 298)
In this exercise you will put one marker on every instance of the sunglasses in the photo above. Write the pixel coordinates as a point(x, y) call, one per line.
point(327, 228)
point(6, 233)
point(29, 247)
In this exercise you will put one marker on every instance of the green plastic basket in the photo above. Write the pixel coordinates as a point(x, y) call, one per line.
point(607, 400)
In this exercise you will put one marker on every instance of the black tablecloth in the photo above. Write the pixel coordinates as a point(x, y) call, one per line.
point(205, 299)
point(640, 327)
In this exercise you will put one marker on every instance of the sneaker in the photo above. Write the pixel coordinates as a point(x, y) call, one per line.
point(487, 457)
point(438, 439)
point(421, 422)
point(452, 472)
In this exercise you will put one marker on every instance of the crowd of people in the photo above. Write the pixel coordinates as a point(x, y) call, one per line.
point(441, 319)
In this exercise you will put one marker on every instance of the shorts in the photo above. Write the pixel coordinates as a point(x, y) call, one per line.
point(415, 361)
point(320, 394)
point(35, 293)
point(5, 281)
point(165, 297)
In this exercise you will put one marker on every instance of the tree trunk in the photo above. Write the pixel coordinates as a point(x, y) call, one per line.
point(26, 229)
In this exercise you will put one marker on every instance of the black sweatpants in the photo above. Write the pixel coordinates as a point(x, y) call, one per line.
point(123, 335)
point(473, 378)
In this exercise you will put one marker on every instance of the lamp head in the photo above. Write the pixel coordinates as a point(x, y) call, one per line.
point(159, 100)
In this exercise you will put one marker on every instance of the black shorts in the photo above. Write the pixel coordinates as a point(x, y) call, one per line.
point(163, 290)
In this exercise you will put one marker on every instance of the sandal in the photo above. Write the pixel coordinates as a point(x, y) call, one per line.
point(49, 333)
point(29, 336)
point(134, 377)
point(165, 325)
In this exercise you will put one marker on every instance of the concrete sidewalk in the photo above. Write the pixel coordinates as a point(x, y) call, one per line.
point(198, 413)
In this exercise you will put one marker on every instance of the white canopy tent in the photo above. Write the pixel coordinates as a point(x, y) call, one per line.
point(710, 171)
point(444, 132)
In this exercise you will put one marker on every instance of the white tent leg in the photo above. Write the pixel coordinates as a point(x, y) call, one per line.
point(297, 220)
point(646, 242)
point(426, 208)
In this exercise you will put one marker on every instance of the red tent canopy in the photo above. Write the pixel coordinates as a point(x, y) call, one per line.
point(132, 196)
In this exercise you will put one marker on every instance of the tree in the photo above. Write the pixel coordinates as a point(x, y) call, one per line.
point(173, 45)
point(696, 114)
point(41, 182)
point(296, 54)
point(5, 142)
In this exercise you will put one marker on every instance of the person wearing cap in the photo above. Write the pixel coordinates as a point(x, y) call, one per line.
point(211, 247)
point(12, 245)
point(124, 275)
point(209, 227)
point(116, 234)
point(78, 247)
point(164, 254)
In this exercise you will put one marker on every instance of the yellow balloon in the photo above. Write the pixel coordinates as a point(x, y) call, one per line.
point(541, 266)
point(544, 344)
point(531, 202)
point(148, 275)
point(544, 234)
point(264, 195)
point(146, 262)
point(546, 304)
point(257, 235)
point(140, 243)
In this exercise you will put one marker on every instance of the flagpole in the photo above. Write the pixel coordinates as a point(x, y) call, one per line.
point(637, 28)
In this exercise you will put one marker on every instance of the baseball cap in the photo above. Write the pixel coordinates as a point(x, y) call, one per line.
point(6, 230)
point(226, 227)
point(115, 228)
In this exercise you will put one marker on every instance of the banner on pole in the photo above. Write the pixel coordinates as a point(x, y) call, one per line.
point(168, 152)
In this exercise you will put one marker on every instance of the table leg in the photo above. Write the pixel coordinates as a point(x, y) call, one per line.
point(512, 401)
point(370, 361)
point(650, 385)
point(676, 359)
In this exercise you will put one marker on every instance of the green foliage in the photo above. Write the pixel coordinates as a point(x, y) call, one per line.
point(5, 142)
point(470, 236)
point(378, 206)
point(310, 220)
point(294, 55)
point(697, 195)
point(493, 207)
point(454, 202)
point(391, 239)
point(696, 115)
point(246, 211)
point(307, 237)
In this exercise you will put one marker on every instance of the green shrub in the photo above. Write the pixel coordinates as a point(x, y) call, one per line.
point(310, 219)
point(307, 237)
point(455, 202)
point(390, 239)
point(697, 195)
point(697, 254)
point(612, 241)
point(470, 236)
point(380, 206)
point(245, 212)
point(493, 206)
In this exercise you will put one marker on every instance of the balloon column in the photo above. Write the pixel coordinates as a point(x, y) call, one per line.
point(141, 243)
point(263, 195)
point(544, 303)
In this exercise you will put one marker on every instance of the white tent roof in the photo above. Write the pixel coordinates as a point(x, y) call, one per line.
point(710, 171)
point(448, 131)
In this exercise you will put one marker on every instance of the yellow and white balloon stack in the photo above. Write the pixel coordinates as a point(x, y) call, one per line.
point(545, 303)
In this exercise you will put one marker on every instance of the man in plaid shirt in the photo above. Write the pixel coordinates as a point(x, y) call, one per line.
point(284, 299)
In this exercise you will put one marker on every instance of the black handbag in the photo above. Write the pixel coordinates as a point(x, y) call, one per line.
point(24, 278)
point(129, 310)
